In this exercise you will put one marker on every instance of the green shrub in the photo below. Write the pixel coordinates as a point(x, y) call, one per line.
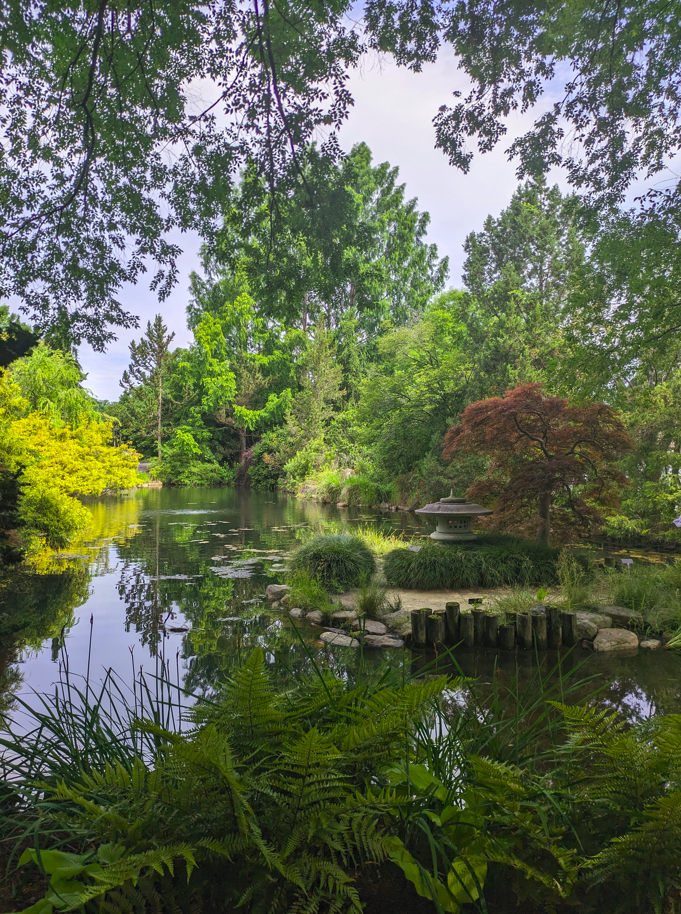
point(339, 562)
point(490, 561)
point(372, 602)
point(362, 490)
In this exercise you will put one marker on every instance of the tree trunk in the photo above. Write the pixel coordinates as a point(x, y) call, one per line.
point(242, 444)
point(160, 408)
point(544, 519)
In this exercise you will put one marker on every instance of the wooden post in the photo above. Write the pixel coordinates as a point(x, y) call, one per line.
point(418, 626)
point(435, 629)
point(452, 613)
point(554, 627)
point(539, 630)
point(570, 636)
point(524, 630)
point(467, 629)
point(507, 636)
point(479, 626)
point(491, 630)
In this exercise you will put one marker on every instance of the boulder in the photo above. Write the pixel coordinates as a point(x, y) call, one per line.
point(615, 639)
point(537, 610)
point(344, 615)
point(315, 617)
point(296, 613)
point(622, 616)
point(652, 644)
point(589, 624)
point(397, 619)
point(285, 599)
point(339, 640)
point(382, 641)
point(276, 592)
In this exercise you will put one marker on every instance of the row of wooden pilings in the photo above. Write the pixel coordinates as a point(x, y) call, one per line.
point(546, 630)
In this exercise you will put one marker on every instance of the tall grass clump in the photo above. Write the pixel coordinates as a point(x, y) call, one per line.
point(372, 602)
point(339, 562)
point(652, 590)
point(487, 562)
point(308, 593)
point(362, 490)
point(379, 541)
point(576, 580)
point(517, 600)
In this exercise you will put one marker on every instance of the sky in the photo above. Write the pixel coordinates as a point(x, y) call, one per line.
point(393, 114)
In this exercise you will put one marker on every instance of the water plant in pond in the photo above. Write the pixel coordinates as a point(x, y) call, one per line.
point(339, 561)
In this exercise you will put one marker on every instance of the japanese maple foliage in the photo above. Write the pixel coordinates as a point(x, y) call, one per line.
point(552, 465)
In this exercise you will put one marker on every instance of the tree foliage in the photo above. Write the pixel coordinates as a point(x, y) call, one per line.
point(552, 464)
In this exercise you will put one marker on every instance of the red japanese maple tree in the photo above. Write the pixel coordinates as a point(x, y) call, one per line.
point(552, 465)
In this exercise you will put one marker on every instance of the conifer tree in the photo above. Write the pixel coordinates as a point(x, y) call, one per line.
point(148, 360)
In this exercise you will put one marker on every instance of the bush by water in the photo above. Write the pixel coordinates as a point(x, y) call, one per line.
point(338, 562)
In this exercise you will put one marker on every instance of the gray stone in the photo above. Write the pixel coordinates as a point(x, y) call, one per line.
point(285, 599)
point(589, 624)
point(296, 613)
point(339, 640)
point(276, 591)
point(382, 641)
point(344, 615)
point(315, 617)
point(615, 639)
point(370, 627)
point(537, 610)
point(651, 645)
point(397, 619)
point(414, 548)
point(620, 615)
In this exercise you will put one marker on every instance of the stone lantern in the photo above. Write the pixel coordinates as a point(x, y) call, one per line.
point(453, 518)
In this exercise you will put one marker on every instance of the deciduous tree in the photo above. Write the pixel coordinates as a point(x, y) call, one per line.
point(552, 464)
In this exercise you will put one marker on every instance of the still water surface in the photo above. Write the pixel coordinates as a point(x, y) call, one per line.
point(176, 577)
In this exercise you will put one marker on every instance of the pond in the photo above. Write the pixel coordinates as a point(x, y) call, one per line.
point(176, 578)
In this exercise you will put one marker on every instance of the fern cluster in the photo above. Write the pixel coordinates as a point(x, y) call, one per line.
point(264, 805)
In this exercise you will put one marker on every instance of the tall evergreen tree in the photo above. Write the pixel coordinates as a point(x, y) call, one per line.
point(148, 360)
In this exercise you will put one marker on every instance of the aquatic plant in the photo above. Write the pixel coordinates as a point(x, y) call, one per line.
point(339, 562)
point(488, 562)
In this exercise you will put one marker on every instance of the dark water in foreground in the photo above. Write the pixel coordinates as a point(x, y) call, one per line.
point(176, 577)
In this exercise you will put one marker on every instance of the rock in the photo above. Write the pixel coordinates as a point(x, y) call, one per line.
point(284, 600)
point(622, 616)
point(296, 613)
point(537, 610)
point(414, 548)
point(588, 645)
point(370, 627)
point(344, 615)
point(339, 640)
point(315, 617)
point(275, 605)
point(382, 641)
point(615, 639)
point(341, 504)
point(589, 624)
point(276, 591)
point(651, 645)
point(397, 619)
point(347, 473)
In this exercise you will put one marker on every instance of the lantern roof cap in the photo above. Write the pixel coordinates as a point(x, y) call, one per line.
point(453, 505)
